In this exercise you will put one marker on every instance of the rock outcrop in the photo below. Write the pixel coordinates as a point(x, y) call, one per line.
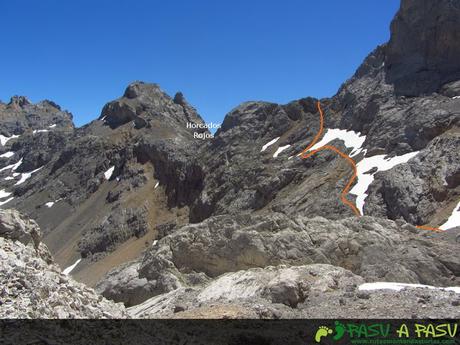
point(33, 286)
point(312, 291)
point(252, 261)
point(422, 54)
point(419, 190)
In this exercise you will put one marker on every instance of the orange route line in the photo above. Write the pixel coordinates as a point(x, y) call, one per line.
point(425, 227)
point(320, 131)
point(350, 182)
point(305, 154)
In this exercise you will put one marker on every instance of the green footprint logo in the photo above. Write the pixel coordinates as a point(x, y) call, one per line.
point(322, 331)
point(339, 330)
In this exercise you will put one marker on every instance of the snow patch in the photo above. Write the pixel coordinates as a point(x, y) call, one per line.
point(364, 180)
point(4, 140)
point(26, 175)
point(279, 150)
point(351, 139)
point(454, 219)
point(39, 131)
point(13, 167)
point(455, 97)
point(71, 268)
point(9, 178)
point(51, 203)
point(52, 126)
point(109, 172)
point(7, 154)
point(271, 142)
point(156, 185)
point(400, 286)
point(4, 194)
point(7, 200)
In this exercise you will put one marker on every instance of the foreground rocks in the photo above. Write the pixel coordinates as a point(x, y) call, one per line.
point(32, 286)
point(272, 266)
point(374, 248)
point(280, 268)
point(311, 291)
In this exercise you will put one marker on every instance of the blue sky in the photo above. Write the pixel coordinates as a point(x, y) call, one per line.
point(82, 54)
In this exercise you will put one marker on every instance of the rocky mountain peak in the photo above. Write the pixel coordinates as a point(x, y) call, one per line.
point(140, 89)
point(50, 104)
point(19, 102)
point(21, 115)
point(189, 111)
point(144, 103)
point(424, 47)
point(180, 99)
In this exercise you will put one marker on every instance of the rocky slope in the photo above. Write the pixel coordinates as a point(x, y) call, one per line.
point(373, 105)
point(33, 286)
point(109, 182)
point(161, 218)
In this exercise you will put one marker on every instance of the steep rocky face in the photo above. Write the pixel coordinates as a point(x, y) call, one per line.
point(426, 189)
point(252, 165)
point(422, 54)
point(392, 124)
point(33, 286)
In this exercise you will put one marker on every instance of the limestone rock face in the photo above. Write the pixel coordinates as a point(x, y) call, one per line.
point(123, 284)
point(33, 286)
point(424, 47)
point(371, 247)
point(14, 226)
point(316, 290)
point(418, 190)
point(261, 262)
